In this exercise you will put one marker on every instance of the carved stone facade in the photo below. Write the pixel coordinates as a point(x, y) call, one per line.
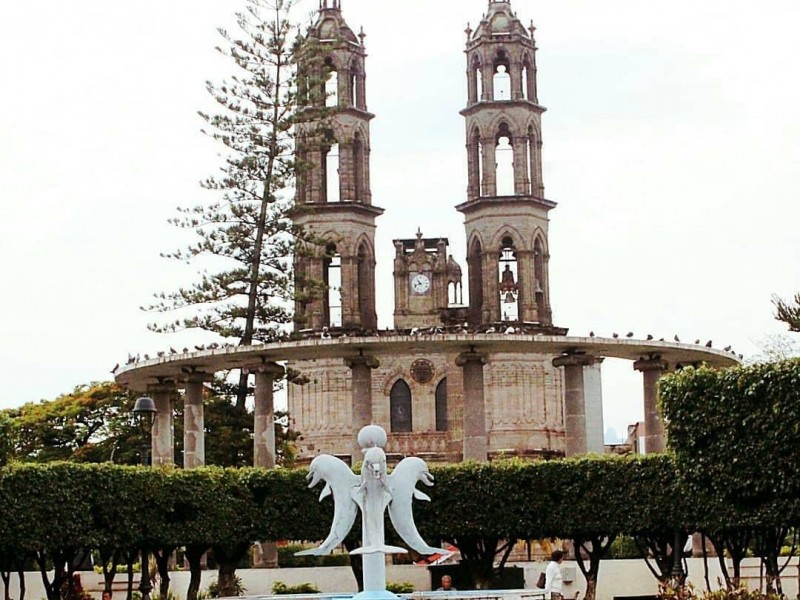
point(523, 414)
point(514, 401)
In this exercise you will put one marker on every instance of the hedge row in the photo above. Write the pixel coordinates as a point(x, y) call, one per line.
point(68, 505)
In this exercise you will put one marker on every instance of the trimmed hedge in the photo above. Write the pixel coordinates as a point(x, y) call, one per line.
point(70, 505)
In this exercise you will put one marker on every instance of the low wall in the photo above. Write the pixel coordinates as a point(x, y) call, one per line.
point(617, 578)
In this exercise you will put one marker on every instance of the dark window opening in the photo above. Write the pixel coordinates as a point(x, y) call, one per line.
point(400, 407)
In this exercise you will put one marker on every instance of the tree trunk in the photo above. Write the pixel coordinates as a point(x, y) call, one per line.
point(6, 577)
point(194, 554)
point(227, 559)
point(162, 565)
point(21, 577)
point(594, 547)
point(109, 572)
point(131, 557)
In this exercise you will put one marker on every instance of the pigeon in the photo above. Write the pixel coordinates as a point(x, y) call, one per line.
point(509, 330)
point(172, 350)
point(649, 337)
point(147, 357)
point(491, 330)
point(200, 348)
point(709, 344)
point(114, 370)
point(615, 335)
point(185, 350)
point(676, 338)
point(629, 334)
point(660, 339)
point(325, 335)
point(697, 341)
point(414, 331)
point(160, 354)
point(727, 348)
point(591, 334)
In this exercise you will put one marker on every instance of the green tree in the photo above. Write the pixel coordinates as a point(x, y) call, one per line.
point(93, 423)
point(248, 294)
point(735, 437)
point(788, 311)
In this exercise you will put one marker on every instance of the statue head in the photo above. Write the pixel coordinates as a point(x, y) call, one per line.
point(374, 464)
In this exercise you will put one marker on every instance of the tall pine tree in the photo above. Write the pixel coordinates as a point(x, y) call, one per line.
point(248, 295)
point(788, 312)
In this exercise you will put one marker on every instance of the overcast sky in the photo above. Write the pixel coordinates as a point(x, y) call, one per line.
point(671, 143)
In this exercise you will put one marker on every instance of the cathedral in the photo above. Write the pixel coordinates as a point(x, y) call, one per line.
point(459, 376)
point(418, 395)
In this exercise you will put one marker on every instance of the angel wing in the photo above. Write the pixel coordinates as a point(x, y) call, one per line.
point(402, 483)
point(340, 481)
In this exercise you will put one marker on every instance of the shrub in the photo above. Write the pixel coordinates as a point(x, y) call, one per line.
point(400, 587)
point(238, 586)
point(301, 588)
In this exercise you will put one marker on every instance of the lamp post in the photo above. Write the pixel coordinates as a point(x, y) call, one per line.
point(145, 412)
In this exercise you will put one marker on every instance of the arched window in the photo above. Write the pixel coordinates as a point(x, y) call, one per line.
point(501, 83)
point(332, 278)
point(454, 294)
point(530, 168)
point(331, 187)
point(475, 83)
point(441, 405)
point(400, 407)
point(539, 274)
point(525, 84)
point(331, 85)
point(509, 276)
point(474, 165)
point(504, 155)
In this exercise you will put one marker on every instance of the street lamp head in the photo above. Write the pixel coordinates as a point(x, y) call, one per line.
point(145, 411)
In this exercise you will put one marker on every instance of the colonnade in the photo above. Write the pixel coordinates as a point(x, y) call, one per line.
point(475, 435)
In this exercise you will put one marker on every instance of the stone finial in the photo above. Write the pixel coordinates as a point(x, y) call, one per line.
point(372, 436)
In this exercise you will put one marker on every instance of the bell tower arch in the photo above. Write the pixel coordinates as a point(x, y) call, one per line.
point(334, 275)
point(505, 208)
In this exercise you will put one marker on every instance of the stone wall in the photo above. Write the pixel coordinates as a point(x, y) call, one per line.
point(524, 414)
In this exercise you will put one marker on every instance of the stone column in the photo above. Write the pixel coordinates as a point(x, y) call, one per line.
point(489, 183)
point(194, 444)
point(163, 442)
point(264, 415)
point(264, 440)
point(654, 437)
point(476, 441)
point(574, 401)
point(361, 367)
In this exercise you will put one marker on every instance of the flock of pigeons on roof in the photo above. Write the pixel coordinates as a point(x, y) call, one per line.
point(327, 334)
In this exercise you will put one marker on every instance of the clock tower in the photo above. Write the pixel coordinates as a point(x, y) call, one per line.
point(426, 282)
point(506, 213)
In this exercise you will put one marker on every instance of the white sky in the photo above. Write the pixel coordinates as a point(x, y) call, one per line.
point(672, 145)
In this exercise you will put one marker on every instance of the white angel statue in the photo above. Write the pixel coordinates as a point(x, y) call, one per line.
point(373, 492)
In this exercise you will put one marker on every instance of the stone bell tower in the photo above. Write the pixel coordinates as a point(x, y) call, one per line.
point(335, 275)
point(506, 213)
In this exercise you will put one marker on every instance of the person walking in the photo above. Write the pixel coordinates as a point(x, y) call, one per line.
point(553, 579)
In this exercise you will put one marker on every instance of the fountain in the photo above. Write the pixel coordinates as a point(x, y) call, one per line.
point(373, 492)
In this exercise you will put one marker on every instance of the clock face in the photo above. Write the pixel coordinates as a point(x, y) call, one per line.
point(420, 283)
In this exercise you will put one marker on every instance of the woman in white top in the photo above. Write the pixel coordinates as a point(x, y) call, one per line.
point(553, 580)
